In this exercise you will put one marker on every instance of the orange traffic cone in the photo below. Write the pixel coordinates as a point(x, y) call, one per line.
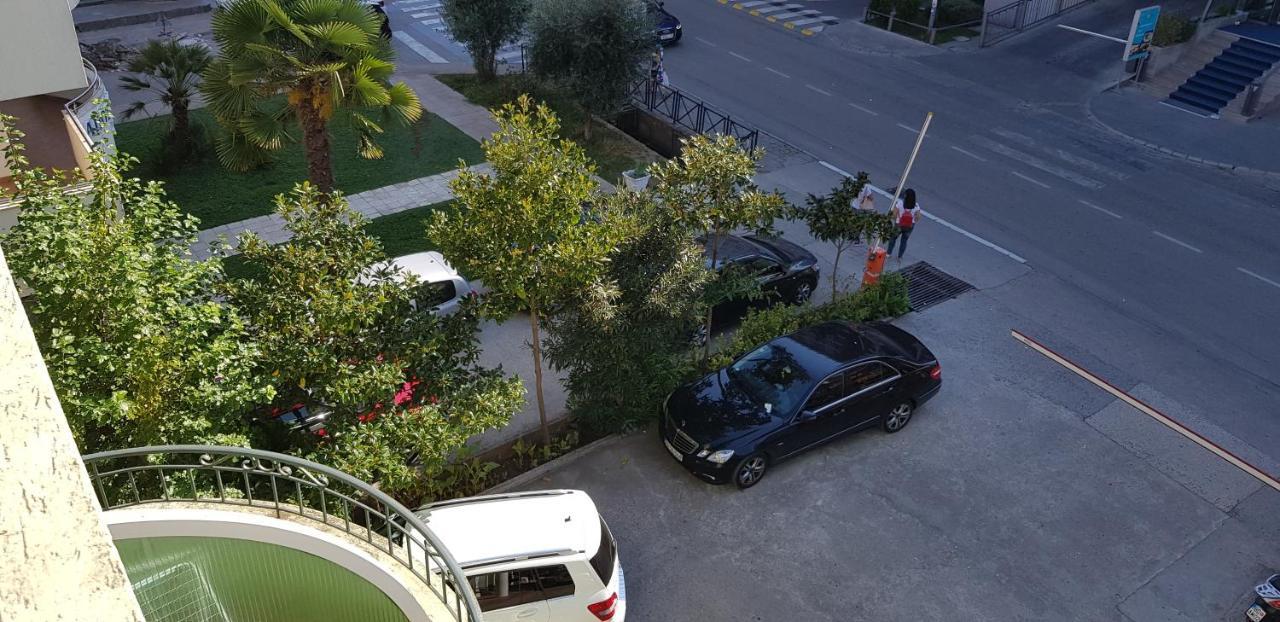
point(875, 265)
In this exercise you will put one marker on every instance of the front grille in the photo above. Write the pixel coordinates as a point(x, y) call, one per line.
point(683, 443)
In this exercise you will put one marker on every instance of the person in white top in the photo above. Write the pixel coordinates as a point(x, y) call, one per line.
point(906, 213)
point(866, 201)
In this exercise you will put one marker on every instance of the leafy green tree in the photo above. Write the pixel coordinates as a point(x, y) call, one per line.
point(834, 218)
point(595, 49)
point(340, 332)
point(624, 356)
point(708, 190)
point(140, 350)
point(171, 70)
point(484, 26)
point(326, 57)
point(521, 231)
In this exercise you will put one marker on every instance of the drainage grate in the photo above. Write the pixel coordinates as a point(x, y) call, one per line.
point(928, 286)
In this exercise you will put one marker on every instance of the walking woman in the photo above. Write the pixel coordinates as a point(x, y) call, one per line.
point(906, 214)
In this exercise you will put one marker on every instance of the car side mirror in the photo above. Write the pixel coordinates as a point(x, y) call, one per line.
point(806, 415)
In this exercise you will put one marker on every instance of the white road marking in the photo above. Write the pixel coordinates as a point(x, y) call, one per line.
point(817, 90)
point(431, 22)
point(866, 110)
point(1147, 410)
point(422, 50)
point(425, 14)
point(1259, 277)
point(1102, 209)
point(805, 22)
point(748, 5)
point(782, 17)
point(775, 71)
point(909, 128)
point(775, 9)
point(704, 41)
point(976, 238)
point(1063, 155)
point(739, 56)
point(1036, 182)
point(1031, 160)
point(970, 154)
point(1178, 242)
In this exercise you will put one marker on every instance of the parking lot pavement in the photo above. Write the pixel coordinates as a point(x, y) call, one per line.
point(1003, 500)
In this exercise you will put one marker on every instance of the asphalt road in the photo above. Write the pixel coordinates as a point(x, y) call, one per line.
point(1187, 251)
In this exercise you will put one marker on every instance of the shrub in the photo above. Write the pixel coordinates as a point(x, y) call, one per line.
point(952, 12)
point(908, 10)
point(1172, 29)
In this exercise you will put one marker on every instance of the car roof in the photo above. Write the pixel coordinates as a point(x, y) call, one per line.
point(509, 527)
point(428, 266)
point(733, 248)
point(824, 348)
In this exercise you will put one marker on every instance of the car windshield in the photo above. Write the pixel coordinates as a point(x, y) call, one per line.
point(771, 375)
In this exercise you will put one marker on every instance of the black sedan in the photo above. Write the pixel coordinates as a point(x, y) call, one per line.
point(786, 272)
point(667, 28)
point(794, 393)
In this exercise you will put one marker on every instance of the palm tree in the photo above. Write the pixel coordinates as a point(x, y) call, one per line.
point(326, 57)
point(170, 70)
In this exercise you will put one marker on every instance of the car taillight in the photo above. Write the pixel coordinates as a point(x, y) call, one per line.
point(936, 372)
point(1274, 602)
point(605, 609)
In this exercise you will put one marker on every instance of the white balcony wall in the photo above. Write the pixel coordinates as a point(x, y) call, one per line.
point(39, 51)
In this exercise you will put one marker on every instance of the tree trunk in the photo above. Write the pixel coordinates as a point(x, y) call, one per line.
point(586, 128)
point(315, 140)
point(715, 251)
point(537, 374)
point(181, 133)
point(835, 270)
point(486, 63)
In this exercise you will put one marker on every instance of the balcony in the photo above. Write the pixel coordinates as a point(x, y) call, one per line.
point(229, 534)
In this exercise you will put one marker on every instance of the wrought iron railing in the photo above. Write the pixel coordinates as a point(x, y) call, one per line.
point(233, 476)
point(1004, 22)
point(690, 113)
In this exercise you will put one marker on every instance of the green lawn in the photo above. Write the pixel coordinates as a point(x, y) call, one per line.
point(218, 196)
point(611, 150)
point(401, 233)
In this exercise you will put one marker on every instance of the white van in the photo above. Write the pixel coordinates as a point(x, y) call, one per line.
point(539, 556)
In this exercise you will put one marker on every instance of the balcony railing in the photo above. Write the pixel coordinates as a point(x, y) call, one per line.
point(81, 108)
point(232, 476)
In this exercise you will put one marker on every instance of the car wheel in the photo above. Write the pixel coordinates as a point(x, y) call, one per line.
point(898, 418)
point(802, 293)
point(700, 336)
point(750, 470)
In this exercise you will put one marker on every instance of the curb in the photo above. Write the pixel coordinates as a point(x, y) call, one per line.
point(541, 469)
point(1178, 155)
point(789, 25)
point(140, 18)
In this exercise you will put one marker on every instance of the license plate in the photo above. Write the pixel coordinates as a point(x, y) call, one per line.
point(667, 37)
point(673, 451)
point(1255, 613)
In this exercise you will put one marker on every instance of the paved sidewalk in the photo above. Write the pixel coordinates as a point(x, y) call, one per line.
point(372, 204)
point(102, 15)
point(1149, 124)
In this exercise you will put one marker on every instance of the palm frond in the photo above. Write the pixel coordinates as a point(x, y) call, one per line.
point(134, 83)
point(133, 110)
point(316, 11)
point(241, 22)
point(339, 35)
point(367, 148)
point(282, 19)
point(365, 92)
point(237, 153)
point(265, 130)
point(404, 105)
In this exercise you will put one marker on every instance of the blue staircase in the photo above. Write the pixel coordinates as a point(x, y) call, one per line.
point(1219, 82)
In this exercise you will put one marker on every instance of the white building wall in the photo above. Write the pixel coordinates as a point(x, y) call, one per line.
point(39, 51)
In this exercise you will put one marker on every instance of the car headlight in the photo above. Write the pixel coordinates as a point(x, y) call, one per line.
point(800, 265)
point(720, 457)
point(679, 26)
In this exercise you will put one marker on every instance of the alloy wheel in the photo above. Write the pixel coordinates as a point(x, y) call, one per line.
point(898, 417)
point(751, 471)
point(803, 293)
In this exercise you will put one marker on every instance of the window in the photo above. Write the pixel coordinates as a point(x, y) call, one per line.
point(435, 294)
point(499, 590)
point(602, 561)
point(865, 375)
point(772, 375)
point(828, 391)
point(555, 580)
point(761, 266)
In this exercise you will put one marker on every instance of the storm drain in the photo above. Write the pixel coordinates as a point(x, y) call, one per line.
point(928, 286)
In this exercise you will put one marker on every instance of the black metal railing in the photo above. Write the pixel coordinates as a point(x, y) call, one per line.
point(1019, 15)
point(234, 476)
point(690, 113)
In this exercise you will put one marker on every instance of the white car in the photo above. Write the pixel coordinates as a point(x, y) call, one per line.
point(441, 288)
point(544, 556)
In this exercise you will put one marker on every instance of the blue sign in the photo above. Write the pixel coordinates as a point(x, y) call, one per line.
point(1141, 33)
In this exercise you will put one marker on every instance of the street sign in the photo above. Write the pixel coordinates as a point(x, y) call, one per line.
point(1141, 33)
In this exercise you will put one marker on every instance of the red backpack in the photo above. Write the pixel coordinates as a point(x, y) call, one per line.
point(907, 219)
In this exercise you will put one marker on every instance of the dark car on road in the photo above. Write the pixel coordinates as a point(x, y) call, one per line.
point(794, 393)
point(1266, 607)
point(666, 27)
point(786, 272)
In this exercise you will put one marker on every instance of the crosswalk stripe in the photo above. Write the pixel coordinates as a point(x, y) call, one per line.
point(775, 9)
point(422, 50)
point(812, 30)
point(784, 16)
point(412, 5)
point(430, 22)
point(1033, 161)
point(803, 22)
point(748, 5)
point(424, 14)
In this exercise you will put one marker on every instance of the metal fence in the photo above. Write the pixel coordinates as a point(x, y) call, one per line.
point(690, 113)
point(1015, 17)
point(929, 34)
point(234, 476)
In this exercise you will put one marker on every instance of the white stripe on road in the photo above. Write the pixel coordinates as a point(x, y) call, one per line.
point(422, 50)
point(1038, 183)
point(748, 5)
point(1259, 277)
point(1178, 242)
point(805, 22)
point(908, 128)
point(739, 56)
point(1031, 160)
point(775, 71)
point(866, 110)
point(425, 14)
point(785, 16)
point(1063, 155)
point(430, 22)
point(1102, 209)
point(775, 9)
point(704, 41)
point(817, 90)
point(970, 154)
point(976, 238)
